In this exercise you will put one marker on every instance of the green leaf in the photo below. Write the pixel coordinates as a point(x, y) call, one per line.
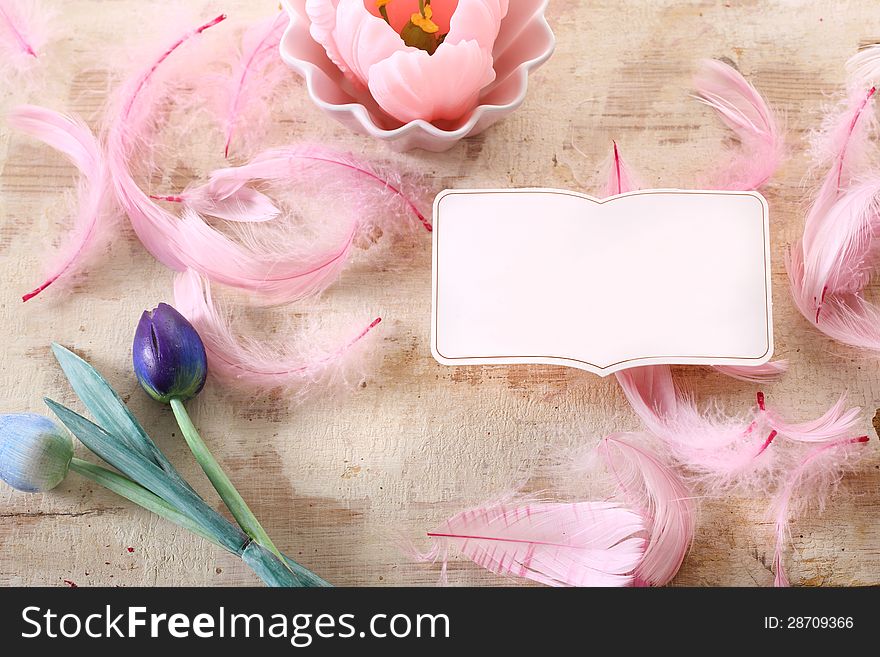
point(270, 569)
point(150, 476)
point(109, 410)
point(304, 575)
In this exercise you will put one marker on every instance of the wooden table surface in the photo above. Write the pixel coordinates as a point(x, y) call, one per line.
point(339, 480)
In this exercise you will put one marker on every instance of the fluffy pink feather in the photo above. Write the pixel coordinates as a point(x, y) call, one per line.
point(833, 262)
point(723, 452)
point(813, 478)
point(747, 114)
point(640, 540)
point(295, 364)
point(24, 31)
point(245, 205)
point(837, 422)
point(92, 223)
point(661, 498)
point(577, 544)
point(255, 74)
point(719, 451)
point(274, 267)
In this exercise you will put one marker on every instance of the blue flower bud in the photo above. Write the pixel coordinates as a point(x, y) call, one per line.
point(35, 452)
point(168, 355)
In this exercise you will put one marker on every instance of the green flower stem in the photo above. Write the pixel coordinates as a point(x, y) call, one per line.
point(125, 487)
point(233, 499)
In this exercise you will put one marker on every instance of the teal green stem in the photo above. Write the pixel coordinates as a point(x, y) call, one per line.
point(125, 487)
point(230, 495)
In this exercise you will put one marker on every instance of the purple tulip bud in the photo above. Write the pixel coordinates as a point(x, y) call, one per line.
point(168, 355)
point(35, 452)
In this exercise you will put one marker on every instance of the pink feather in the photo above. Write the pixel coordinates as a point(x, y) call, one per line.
point(837, 422)
point(813, 478)
point(296, 364)
point(274, 266)
point(255, 74)
point(747, 114)
point(244, 205)
point(754, 373)
point(661, 498)
point(640, 541)
point(579, 544)
point(832, 264)
point(92, 223)
point(24, 31)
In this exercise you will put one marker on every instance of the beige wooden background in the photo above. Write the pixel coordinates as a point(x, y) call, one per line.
point(338, 481)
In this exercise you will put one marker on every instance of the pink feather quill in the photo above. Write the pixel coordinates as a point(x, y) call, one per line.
point(747, 114)
point(92, 223)
point(296, 364)
point(24, 31)
point(813, 477)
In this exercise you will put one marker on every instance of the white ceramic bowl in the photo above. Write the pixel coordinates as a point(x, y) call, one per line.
point(524, 42)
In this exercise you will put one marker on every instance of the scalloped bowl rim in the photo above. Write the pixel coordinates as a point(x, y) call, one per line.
point(307, 69)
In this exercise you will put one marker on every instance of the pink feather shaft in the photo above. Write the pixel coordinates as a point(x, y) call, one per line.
point(73, 138)
point(578, 544)
point(14, 21)
point(747, 114)
point(811, 468)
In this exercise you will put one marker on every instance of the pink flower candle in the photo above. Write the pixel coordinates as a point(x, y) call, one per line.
point(419, 59)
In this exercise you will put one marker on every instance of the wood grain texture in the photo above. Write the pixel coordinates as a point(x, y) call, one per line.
point(339, 480)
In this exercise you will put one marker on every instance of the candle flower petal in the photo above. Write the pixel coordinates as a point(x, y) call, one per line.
point(35, 452)
point(444, 85)
point(442, 82)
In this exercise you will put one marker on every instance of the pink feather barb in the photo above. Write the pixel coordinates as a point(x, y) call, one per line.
point(747, 114)
point(832, 263)
point(24, 31)
point(640, 540)
point(814, 478)
point(92, 223)
point(296, 364)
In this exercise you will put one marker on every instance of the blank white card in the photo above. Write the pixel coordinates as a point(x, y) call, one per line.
point(644, 278)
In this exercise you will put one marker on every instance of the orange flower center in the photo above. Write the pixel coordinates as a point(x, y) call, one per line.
point(399, 13)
